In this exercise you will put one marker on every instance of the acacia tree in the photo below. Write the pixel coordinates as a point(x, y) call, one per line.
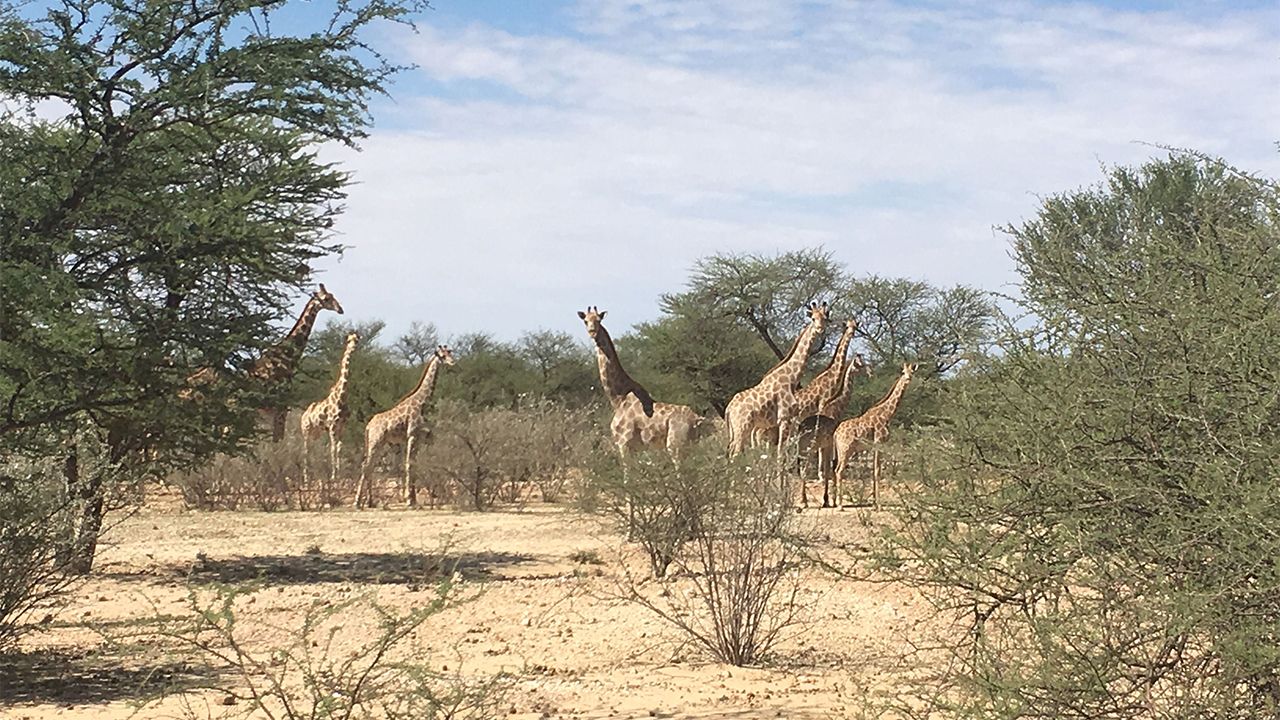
point(739, 314)
point(1102, 518)
point(160, 204)
point(418, 343)
point(910, 320)
point(762, 293)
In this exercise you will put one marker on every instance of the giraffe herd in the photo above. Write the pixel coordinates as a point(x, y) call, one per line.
point(773, 411)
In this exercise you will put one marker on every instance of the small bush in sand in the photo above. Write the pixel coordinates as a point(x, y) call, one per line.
point(344, 661)
point(723, 535)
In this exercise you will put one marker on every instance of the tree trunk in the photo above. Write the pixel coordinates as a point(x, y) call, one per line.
point(86, 494)
point(88, 527)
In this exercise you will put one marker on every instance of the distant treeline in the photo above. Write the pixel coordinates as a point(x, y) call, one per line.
point(735, 317)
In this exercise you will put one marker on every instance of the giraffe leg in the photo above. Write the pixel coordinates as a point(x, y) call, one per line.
point(362, 484)
point(784, 478)
point(364, 489)
point(842, 464)
point(822, 461)
point(631, 506)
point(875, 477)
point(278, 416)
point(335, 455)
point(410, 488)
point(306, 461)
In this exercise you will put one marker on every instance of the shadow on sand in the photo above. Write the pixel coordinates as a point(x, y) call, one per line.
point(87, 678)
point(402, 568)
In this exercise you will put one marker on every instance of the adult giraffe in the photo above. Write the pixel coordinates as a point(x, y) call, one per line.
point(402, 421)
point(329, 415)
point(638, 421)
point(771, 402)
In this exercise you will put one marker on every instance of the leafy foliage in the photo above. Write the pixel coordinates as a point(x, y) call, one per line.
point(740, 313)
point(1101, 519)
point(163, 220)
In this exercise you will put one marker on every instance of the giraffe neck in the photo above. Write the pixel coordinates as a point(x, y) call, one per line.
point(887, 407)
point(840, 360)
point(826, 386)
point(426, 384)
point(788, 371)
point(344, 372)
point(616, 382)
point(278, 362)
point(296, 340)
point(834, 407)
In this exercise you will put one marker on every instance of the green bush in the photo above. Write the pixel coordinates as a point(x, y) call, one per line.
point(34, 533)
point(1101, 517)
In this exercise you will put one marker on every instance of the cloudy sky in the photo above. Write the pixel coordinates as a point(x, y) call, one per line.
point(546, 156)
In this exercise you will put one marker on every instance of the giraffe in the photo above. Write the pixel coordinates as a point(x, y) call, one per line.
point(817, 431)
point(277, 364)
point(403, 420)
point(811, 397)
point(825, 384)
point(329, 415)
point(638, 421)
point(771, 402)
point(834, 406)
point(865, 432)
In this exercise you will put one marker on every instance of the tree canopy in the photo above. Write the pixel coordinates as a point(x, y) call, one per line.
point(1102, 514)
point(164, 205)
point(161, 203)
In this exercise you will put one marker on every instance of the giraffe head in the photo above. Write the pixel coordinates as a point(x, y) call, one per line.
point(352, 339)
point(591, 318)
point(859, 366)
point(445, 354)
point(818, 314)
point(907, 370)
point(326, 300)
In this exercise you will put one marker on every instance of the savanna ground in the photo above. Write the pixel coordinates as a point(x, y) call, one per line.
point(543, 586)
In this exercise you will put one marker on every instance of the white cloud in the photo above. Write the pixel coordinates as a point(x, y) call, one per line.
point(592, 167)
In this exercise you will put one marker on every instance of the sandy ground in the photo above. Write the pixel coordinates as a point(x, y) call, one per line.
point(539, 612)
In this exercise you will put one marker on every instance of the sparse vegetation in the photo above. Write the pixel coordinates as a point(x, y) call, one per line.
point(34, 525)
point(723, 535)
point(1088, 504)
point(346, 660)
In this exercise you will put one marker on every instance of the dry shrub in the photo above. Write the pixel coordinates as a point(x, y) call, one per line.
point(723, 535)
point(270, 478)
point(34, 533)
point(345, 660)
point(500, 455)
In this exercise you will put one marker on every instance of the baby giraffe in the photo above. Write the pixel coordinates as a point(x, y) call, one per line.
point(329, 415)
point(865, 432)
point(402, 422)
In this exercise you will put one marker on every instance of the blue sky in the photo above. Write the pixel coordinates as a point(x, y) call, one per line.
point(548, 156)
